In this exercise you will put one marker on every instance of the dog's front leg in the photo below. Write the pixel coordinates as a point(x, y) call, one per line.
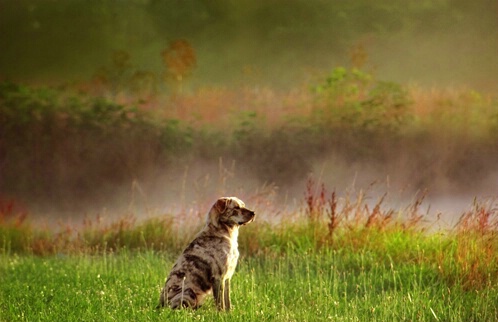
point(218, 292)
point(226, 294)
point(162, 298)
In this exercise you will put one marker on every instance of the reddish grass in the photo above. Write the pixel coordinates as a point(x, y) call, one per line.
point(467, 255)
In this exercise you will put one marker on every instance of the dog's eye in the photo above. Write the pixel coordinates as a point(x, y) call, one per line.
point(236, 207)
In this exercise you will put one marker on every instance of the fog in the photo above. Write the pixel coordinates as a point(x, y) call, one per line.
point(281, 45)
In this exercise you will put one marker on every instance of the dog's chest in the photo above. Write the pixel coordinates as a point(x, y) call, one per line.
point(232, 258)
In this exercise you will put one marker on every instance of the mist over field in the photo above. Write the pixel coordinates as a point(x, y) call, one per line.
point(157, 106)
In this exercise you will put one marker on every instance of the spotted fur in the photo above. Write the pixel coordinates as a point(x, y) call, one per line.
point(208, 263)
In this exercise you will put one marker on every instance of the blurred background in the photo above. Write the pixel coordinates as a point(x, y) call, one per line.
point(132, 105)
point(278, 43)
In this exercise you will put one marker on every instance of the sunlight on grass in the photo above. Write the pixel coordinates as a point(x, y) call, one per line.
point(330, 257)
point(298, 271)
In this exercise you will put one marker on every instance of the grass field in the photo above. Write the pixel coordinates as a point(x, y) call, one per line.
point(129, 140)
point(341, 262)
point(337, 258)
point(316, 286)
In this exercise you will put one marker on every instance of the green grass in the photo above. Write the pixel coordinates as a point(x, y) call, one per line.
point(313, 287)
point(299, 284)
point(341, 262)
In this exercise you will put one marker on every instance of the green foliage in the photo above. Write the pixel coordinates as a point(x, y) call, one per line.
point(61, 142)
point(353, 100)
point(248, 124)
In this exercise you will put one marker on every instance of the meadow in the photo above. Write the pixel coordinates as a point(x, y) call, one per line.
point(339, 259)
point(120, 124)
point(336, 256)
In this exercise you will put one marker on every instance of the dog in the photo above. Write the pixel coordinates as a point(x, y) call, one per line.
point(208, 263)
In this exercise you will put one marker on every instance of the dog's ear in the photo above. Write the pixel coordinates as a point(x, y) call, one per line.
point(218, 208)
point(221, 205)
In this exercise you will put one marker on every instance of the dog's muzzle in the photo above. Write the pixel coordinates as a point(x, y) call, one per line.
point(251, 217)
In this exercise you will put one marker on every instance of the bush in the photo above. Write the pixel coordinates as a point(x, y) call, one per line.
point(67, 146)
point(353, 100)
point(59, 146)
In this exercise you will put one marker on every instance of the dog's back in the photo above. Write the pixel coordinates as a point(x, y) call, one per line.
point(193, 274)
point(209, 261)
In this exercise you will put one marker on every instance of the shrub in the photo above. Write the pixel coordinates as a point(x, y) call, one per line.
point(61, 144)
point(352, 99)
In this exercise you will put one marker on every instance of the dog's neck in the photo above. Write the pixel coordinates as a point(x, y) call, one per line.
point(223, 230)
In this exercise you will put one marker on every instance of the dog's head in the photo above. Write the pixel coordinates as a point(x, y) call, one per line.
point(230, 211)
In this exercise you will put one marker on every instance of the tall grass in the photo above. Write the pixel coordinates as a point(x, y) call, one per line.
point(372, 275)
point(340, 259)
point(465, 255)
